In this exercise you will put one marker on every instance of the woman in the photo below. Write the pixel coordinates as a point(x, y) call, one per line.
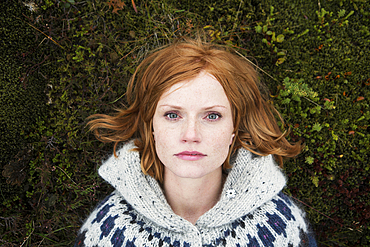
point(196, 166)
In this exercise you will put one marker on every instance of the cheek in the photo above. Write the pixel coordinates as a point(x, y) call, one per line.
point(221, 142)
point(162, 144)
point(224, 135)
point(158, 138)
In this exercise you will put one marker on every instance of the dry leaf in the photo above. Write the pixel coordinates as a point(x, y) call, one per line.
point(116, 5)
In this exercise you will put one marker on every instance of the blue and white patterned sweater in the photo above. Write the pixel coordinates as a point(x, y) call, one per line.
point(252, 210)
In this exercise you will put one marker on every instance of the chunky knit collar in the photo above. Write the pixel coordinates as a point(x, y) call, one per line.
point(252, 181)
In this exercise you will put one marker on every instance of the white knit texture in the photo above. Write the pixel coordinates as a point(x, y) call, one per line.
point(252, 210)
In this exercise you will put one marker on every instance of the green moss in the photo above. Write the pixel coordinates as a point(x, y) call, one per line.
point(316, 58)
point(22, 98)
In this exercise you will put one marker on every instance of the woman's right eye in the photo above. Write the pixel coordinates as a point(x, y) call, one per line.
point(171, 115)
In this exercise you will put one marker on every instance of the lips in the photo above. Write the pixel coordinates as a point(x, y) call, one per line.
point(190, 155)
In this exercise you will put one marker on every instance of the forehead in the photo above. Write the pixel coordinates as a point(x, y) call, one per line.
point(202, 90)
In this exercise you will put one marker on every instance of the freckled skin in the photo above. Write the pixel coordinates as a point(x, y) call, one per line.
point(192, 116)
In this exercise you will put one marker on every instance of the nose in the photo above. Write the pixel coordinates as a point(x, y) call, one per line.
point(191, 132)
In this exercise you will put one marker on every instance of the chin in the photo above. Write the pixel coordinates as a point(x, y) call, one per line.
point(192, 172)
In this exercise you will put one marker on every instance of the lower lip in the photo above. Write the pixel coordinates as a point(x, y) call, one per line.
point(189, 157)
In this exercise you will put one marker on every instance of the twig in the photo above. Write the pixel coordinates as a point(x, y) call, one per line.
point(341, 225)
point(43, 33)
point(135, 48)
point(30, 71)
point(237, 12)
point(133, 5)
point(66, 174)
point(312, 101)
point(255, 65)
point(41, 242)
point(33, 228)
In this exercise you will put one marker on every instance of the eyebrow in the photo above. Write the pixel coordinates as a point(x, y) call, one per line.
point(205, 108)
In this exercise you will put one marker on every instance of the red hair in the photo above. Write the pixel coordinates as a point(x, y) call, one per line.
point(255, 125)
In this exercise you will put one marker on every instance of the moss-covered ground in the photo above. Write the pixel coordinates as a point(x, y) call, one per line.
point(63, 60)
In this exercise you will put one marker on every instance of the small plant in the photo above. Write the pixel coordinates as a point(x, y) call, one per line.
point(271, 37)
point(296, 89)
point(80, 52)
point(48, 3)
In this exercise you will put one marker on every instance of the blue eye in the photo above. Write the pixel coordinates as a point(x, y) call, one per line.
point(213, 116)
point(171, 115)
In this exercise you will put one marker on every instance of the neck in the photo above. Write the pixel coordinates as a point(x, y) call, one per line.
point(190, 198)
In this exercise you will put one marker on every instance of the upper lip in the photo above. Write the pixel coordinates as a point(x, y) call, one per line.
point(190, 153)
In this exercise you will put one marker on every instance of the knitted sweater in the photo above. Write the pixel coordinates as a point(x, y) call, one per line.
point(252, 210)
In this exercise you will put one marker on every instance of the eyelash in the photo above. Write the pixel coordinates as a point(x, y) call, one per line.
point(169, 113)
point(218, 116)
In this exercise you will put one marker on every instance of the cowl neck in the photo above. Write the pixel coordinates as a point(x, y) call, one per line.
point(251, 182)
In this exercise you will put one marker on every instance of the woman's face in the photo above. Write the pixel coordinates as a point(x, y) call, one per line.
point(193, 128)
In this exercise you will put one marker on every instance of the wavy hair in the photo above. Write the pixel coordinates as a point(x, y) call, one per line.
point(254, 118)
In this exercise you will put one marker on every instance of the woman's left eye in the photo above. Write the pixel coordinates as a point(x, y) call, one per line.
point(213, 116)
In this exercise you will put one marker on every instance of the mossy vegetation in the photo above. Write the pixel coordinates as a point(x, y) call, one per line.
point(23, 69)
point(66, 60)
